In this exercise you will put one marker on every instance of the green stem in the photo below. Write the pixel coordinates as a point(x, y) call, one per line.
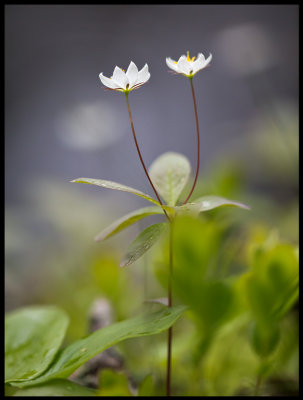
point(170, 330)
point(198, 140)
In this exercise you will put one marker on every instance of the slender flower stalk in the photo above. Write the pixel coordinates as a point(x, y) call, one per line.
point(138, 150)
point(122, 81)
point(198, 141)
point(188, 67)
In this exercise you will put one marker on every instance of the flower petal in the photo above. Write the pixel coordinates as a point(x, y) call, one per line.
point(108, 82)
point(143, 75)
point(183, 57)
point(184, 66)
point(201, 63)
point(208, 60)
point(132, 74)
point(120, 77)
point(200, 59)
point(171, 64)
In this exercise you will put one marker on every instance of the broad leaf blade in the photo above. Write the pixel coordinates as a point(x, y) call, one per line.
point(126, 221)
point(206, 203)
point(79, 352)
point(115, 186)
point(33, 336)
point(142, 243)
point(57, 387)
point(169, 173)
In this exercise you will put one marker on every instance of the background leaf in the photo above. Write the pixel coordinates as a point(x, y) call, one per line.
point(57, 387)
point(84, 349)
point(142, 243)
point(115, 186)
point(113, 383)
point(33, 336)
point(169, 173)
point(146, 387)
point(126, 221)
point(271, 287)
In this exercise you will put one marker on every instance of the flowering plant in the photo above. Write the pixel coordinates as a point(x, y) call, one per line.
point(167, 176)
point(193, 267)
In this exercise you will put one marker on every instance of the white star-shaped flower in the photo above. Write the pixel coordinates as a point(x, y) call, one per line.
point(126, 81)
point(188, 66)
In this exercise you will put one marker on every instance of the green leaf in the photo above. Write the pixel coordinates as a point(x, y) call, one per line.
point(142, 243)
point(57, 387)
point(265, 341)
point(115, 186)
point(84, 349)
point(169, 174)
point(272, 286)
point(113, 383)
point(33, 336)
point(197, 246)
point(206, 203)
point(146, 387)
point(126, 221)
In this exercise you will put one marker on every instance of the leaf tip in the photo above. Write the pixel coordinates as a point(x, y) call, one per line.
point(78, 180)
point(163, 301)
point(245, 206)
point(98, 238)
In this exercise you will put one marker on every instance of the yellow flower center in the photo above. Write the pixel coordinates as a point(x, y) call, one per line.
point(190, 59)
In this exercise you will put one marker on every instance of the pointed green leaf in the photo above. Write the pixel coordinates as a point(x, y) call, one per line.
point(206, 203)
point(57, 387)
point(33, 336)
point(79, 352)
point(115, 186)
point(143, 242)
point(126, 221)
point(169, 173)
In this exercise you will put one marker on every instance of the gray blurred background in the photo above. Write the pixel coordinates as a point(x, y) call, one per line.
point(61, 124)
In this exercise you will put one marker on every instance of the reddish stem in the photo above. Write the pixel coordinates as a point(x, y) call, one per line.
point(138, 150)
point(198, 141)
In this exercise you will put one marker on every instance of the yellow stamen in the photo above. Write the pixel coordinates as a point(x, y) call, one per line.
point(190, 59)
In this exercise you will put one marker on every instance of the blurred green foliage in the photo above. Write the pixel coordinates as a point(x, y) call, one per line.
point(236, 269)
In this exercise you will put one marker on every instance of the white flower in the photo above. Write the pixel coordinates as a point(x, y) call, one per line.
point(125, 82)
point(188, 66)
